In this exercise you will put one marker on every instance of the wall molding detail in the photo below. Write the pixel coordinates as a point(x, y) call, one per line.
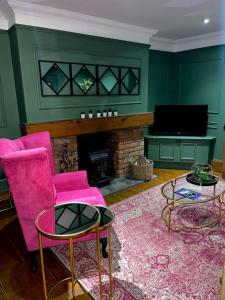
point(3, 122)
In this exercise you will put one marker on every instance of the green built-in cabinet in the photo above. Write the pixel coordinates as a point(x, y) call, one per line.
point(179, 152)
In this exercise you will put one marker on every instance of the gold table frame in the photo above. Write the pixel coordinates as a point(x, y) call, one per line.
point(174, 203)
point(70, 238)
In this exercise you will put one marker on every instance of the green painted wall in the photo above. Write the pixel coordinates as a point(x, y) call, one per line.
point(30, 44)
point(202, 81)
point(9, 117)
point(196, 76)
point(163, 78)
point(192, 77)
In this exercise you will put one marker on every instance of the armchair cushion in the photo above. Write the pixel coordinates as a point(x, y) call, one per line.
point(91, 196)
point(70, 181)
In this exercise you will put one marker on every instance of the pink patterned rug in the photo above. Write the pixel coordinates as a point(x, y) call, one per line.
point(148, 261)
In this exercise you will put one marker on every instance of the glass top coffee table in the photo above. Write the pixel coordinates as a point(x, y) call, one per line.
point(69, 221)
point(193, 205)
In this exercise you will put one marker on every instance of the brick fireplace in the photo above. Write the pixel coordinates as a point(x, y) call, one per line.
point(126, 139)
point(126, 146)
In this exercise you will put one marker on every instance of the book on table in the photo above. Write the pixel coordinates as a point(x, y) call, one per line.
point(187, 193)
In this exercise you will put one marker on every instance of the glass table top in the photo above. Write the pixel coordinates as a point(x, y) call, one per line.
point(72, 220)
point(67, 220)
point(106, 216)
point(171, 189)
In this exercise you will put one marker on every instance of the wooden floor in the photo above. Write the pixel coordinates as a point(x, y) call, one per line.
point(15, 276)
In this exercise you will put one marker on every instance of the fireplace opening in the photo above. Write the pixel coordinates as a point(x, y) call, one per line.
point(95, 156)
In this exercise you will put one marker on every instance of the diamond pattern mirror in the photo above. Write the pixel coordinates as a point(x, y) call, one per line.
point(73, 79)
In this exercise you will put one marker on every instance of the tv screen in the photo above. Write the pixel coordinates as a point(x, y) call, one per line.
point(187, 120)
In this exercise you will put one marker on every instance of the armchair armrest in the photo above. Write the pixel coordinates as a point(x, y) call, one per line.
point(70, 181)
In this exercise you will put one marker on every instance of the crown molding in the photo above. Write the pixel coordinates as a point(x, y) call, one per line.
point(200, 41)
point(195, 42)
point(7, 17)
point(162, 44)
point(42, 16)
point(3, 22)
point(17, 12)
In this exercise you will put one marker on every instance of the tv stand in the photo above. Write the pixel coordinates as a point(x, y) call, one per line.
point(179, 152)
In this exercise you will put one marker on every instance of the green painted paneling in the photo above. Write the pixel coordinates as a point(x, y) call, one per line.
point(188, 151)
point(177, 152)
point(166, 151)
point(9, 117)
point(32, 44)
point(163, 78)
point(202, 81)
point(191, 77)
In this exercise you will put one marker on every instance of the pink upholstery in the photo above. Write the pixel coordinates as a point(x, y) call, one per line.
point(29, 167)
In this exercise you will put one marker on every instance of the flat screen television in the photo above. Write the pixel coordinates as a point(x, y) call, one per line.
point(184, 120)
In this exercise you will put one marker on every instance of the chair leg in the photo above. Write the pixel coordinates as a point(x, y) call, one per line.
point(103, 241)
point(33, 260)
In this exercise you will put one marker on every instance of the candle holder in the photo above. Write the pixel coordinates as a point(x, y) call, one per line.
point(104, 113)
point(98, 114)
point(82, 115)
point(90, 114)
point(109, 112)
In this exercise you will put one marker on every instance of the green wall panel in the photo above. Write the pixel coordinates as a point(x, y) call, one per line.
point(163, 78)
point(33, 44)
point(191, 77)
point(187, 151)
point(9, 116)
point(3, 121)
point(202, 81)
point(167, 151)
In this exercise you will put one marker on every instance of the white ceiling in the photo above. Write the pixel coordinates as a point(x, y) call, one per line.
point(169, 25)
point(174, 19)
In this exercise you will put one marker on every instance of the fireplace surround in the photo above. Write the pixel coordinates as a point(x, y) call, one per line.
point(125, 139)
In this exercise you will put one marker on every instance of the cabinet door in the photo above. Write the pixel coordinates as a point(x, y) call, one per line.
point(203, 152)
point(153, 150)
point(188, 152)
point(168, 151)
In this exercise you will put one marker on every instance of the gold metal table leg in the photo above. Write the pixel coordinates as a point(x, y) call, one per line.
point(72, 266)
point(220, 211)
point(42, 266)
point(99, 261)
point(110, 264)
point(169, 218)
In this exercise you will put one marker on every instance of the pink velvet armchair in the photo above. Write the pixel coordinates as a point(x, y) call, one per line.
point(28, 165)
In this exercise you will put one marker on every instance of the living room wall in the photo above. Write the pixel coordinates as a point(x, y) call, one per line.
point(9, 117)
point(196, 76)
point(31, 44)
point(163, 78)
point(191, 77)
point(202, 81)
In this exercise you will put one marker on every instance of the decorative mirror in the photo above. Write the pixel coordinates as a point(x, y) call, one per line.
point(73, 79)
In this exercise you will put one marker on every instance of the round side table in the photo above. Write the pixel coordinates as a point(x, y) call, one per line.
point(67, 222)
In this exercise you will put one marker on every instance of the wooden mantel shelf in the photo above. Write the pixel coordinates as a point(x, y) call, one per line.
point(66, 128)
